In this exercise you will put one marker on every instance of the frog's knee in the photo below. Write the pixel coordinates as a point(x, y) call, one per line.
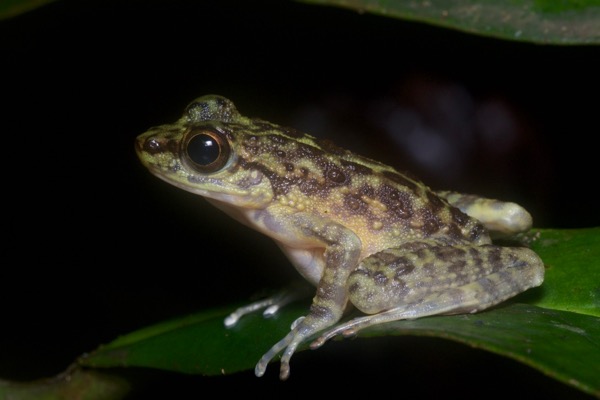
point(530, 264)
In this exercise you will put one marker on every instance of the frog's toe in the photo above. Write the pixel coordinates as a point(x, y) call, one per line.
point(284, 371)
point(271, 310)
point(347, 329)
point(280, 300)
point(260, 368)
point(320, 341)
point(287, 343)
point(261, 365)
point(235, 316)
point(297, 322)
point(350, 332)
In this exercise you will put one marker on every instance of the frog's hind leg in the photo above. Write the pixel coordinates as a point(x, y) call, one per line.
point(425, 278)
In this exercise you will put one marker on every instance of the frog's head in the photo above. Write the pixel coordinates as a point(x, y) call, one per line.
point(201, 153)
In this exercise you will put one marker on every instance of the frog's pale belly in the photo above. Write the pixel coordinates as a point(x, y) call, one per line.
point(358, 230)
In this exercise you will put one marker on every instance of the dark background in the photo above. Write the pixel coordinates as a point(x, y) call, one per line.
point(97, 247)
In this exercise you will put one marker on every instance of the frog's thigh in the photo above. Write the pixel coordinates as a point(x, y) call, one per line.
point(427, 278)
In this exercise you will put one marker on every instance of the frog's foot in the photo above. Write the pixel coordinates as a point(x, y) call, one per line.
point(501, 218)
point(271, 305)
point(290, 342)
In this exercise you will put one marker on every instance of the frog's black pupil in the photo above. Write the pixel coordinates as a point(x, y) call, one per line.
point(203, 149)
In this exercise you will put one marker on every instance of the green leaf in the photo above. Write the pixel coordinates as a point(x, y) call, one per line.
point(564, 345)
point(572, 260)
point(561, 343)
point(198, 344)
point(12, 8)
point(537, 21)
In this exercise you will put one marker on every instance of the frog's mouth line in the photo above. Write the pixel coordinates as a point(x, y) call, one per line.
point(222, 194)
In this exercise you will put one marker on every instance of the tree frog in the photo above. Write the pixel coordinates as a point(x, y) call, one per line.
point(362, 233)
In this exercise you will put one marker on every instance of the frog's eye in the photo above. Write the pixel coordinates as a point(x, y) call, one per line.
point(207, 150)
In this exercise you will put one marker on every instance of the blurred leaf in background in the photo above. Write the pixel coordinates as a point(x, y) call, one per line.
point(544, 22)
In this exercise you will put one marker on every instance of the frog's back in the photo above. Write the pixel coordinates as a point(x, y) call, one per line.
point(383, 206)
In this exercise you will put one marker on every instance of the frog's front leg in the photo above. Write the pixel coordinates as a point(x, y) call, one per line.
point(424, 278)
point(341, 256)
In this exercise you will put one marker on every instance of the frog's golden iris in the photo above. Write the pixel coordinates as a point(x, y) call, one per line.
point(206, 150)
point(360, 231)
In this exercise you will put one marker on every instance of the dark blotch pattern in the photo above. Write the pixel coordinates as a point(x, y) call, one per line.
point(414, 246)
point(449, 253)
point(321, 312)
point(380, 279)
point(355, 204)
point(402, 266)
point(457, 266)
point(475, 255)
point(401, 180)
point(281, 185)
point(494, 255)
point(398, 202)
point(309, 186)
point(431, 223)
point(309, 151)
point(477, 232)
point(454, 231)
point(435, 203)
point(336, 175)
point(354, 287)
point(289, 167)
point(387, 259)
point(277, 139)
point(458, 216)
point(356, 168)
point(367, 190)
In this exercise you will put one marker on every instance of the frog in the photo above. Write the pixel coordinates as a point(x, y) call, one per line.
point(365, 236)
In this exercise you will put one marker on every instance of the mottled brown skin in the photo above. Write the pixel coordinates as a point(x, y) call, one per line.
point(358, 230)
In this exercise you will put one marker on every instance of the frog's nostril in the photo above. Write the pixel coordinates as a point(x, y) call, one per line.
point(150, 145)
